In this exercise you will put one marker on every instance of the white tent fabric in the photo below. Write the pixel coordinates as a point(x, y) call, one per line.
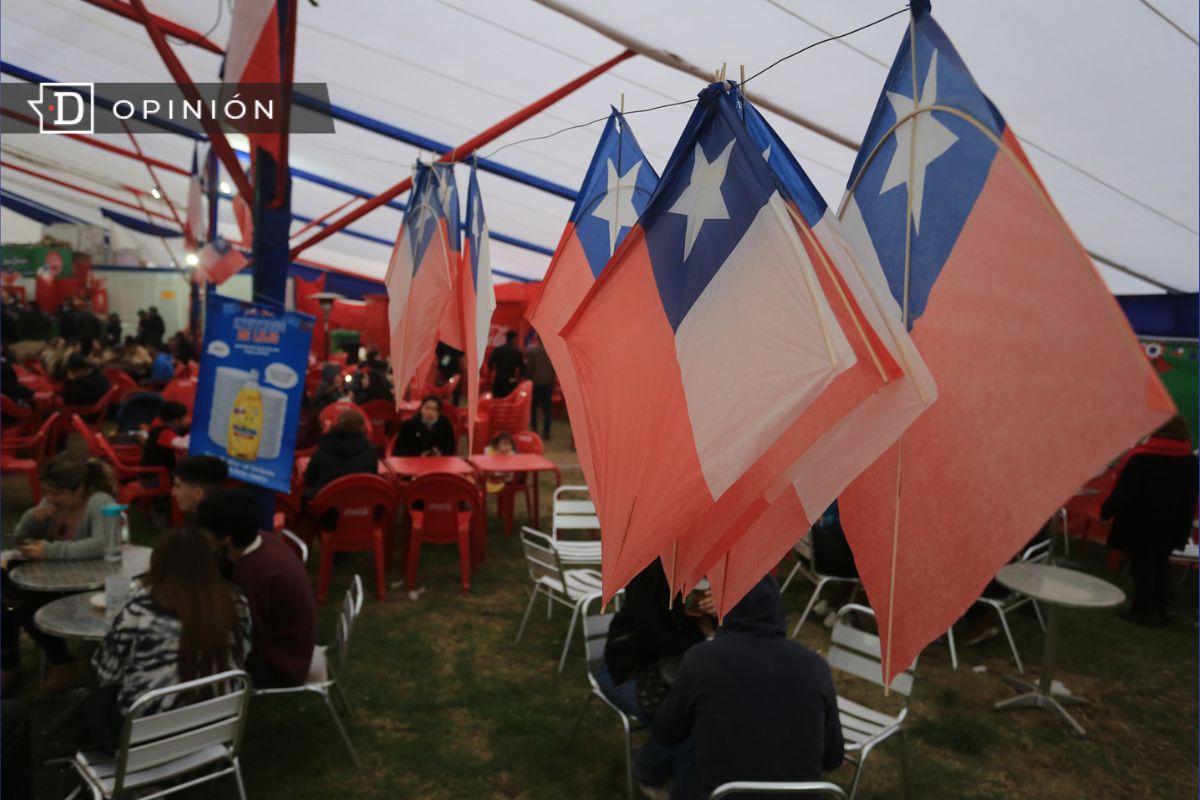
point(1105, 100)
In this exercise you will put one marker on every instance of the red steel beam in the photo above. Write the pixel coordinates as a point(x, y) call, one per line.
point(112, 148)
point(81, 189)
point(463, 150)
point(168, 27)
point(216, 137)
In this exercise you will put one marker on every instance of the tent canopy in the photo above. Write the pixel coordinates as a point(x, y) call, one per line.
point(1106, 105)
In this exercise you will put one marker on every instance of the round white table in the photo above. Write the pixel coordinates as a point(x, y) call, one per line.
point(78, 575)
point(1056, 588)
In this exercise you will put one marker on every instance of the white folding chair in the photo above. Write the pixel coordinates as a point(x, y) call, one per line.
point(806, 552)
point(566, 587)
point(802, 789)
point(573, 513)
point(858, 653)
point(196, 742)
point(594, 630)
point(1034, 554)
point(322, 679)
point(296, 543)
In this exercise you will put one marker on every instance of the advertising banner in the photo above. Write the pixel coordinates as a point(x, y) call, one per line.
point(250, 387)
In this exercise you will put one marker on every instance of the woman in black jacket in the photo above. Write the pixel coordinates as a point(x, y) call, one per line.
point(343, 450)
point(1152, 507)
point(428, 433)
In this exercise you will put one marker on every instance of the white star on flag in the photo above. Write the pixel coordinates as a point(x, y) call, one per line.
point(933, 139)
point(477, 220)
point(702, 200)
point(616, 207)
point(444, 194)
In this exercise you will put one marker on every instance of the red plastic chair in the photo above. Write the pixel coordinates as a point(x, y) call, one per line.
point(24, 420)
point(182, 390)
point(445, 391)
point(287, 511)
point(365, 506)
point(94, 414)
point(506, 414)
point(447, 505)
point(123, 381)
point(12, 460)
point(130, 488)
point(526, 442)
point(330, 413)
point(381, 416)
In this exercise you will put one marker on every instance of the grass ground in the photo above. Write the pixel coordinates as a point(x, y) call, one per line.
point(446, 706)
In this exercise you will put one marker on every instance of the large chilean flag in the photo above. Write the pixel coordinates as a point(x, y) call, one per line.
point(451, 327)
point(615, 191)
point(1040, 380)
point(707, 340)
point(851, 434)
point(476, 297)
point(418, 279)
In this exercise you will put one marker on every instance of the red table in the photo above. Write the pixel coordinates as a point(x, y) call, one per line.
point(412, 466)
point(519, 462)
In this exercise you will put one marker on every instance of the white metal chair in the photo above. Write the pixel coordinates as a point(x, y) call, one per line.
point(1034, 554)
point(322, 680)
point(567, 587)
point(858, 653)
point(593, 625)
point(163, 747)
point(802, 789)
point(573, 513)
point(296, 543)
point(805, 552)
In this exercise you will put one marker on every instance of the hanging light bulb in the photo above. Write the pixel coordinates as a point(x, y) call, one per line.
point(191, 259)
point(225, 188)
point(157, 194)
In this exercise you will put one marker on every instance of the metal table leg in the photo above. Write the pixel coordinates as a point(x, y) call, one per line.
point(1042, 695)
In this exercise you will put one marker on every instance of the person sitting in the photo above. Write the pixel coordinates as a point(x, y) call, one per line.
point(344, 449)
point(507, 365)
point(184, 623)
point(502, 444)
point(162, 368)
point(646, 641)
point(195, 478)
point(165, 436)
point(373, 385)
point(67, 524)
point(85, 384)
point(276, 586)
point(428, 433)
point(755, 705)
point(1152, 507)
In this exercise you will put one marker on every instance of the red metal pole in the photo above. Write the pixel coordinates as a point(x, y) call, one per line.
point(168, 27)
point(216, 137)
point(463, 150)
point(81, 189)
point(112, 148)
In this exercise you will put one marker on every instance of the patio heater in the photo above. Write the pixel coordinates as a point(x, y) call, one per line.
point(325, 300)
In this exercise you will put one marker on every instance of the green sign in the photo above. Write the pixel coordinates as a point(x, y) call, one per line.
point(28, 259)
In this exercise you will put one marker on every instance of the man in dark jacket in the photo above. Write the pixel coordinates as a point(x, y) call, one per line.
point(343, 450)
point(541, 372)
point(85, 384)
point(756, 705)
point(155, 327)
point(1152, 507)
point(507, 364)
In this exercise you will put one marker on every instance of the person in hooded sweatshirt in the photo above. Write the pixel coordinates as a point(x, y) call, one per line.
point(343, 450)
point(756, 705)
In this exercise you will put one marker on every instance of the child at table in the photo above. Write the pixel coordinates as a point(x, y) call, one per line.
point(502, 444)
point(165, 437)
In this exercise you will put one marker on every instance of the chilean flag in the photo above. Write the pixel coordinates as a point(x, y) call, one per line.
point(615, 191)
point(476, 297)
point(418, 278)
point(450, 328)
point(252, 56)
point(851, 435)
point(1040, 379)
point(702, 347)
point(194, 229)
point(219, 261)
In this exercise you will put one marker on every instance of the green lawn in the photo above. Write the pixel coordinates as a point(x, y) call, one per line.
point(446, 706)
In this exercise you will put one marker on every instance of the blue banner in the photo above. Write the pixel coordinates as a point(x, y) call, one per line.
point(250, 387)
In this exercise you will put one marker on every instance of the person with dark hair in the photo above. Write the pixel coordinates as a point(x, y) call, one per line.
point(195, 478)
point(85, 384)
point(755, 705)
point(162, 368)
point(507, 365)
point(165, 433)
point(112, 329)
point(373, 384)
point(184, 623)
point(541, 372)
point(428, 433)
point(155, 327)
point(1152, 507)
point(275, 584)
point(343, 450)
point(67, 524)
